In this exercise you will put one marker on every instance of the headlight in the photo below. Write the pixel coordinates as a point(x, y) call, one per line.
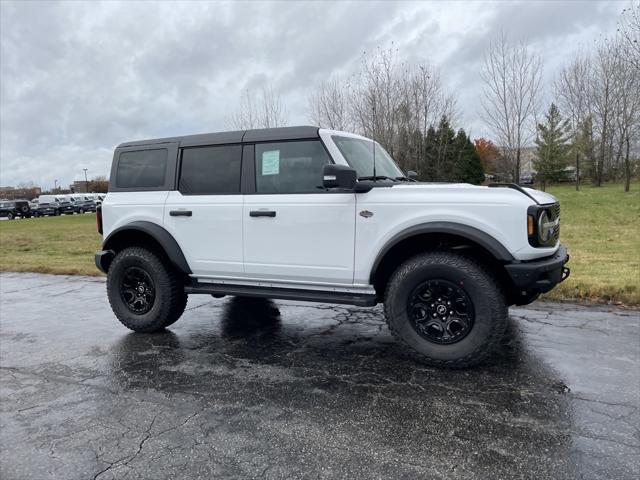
point(543, 224)
point(545, 227)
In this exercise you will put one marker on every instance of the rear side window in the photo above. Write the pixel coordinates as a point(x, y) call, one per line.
point(290, 167)
point(142, 169)
point(210, 170)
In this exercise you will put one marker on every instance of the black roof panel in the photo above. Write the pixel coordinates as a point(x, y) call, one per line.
point(281, 133)
point(257, 135)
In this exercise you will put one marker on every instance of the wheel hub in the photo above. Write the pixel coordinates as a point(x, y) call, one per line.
point(137, 290)
point(440, 311)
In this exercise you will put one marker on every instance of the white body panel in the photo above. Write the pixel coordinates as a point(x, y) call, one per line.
point(122, 208)
point(498, 212)
point(310, 239)
point(211, 239)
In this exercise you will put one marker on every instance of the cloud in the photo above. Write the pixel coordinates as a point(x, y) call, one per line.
point(78, 78)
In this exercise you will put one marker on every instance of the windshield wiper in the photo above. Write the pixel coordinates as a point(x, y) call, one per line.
point(377, 177)
point(404, 178)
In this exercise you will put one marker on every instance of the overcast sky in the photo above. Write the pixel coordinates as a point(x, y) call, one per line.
point(79, 78)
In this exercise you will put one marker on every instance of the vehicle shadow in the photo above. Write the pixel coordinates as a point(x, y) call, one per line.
point(338, 349)
point(327, 365)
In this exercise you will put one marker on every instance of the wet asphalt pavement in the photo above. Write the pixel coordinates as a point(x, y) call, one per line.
point(258, 389)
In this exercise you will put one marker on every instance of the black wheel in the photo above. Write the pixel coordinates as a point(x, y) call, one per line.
point(144, 293)
point(446, 307)
point(9, 216)
point(56, 213)
point(81, 211)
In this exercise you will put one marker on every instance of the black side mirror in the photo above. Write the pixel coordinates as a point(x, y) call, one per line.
point(339, 176)
point(412, 175)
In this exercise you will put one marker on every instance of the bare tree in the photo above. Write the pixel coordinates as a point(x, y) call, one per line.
point(512, 81)
point(572, 88)
point(626, 111)
point(377, 97)
point(330, 104)
point(265, 111)
point(99, 184)
point(629, 31)
point(602, 86)
point(388, 100)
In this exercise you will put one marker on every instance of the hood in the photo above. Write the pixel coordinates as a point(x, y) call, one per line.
point(541, 197)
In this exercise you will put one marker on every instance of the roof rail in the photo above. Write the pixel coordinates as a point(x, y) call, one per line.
point(514, 186)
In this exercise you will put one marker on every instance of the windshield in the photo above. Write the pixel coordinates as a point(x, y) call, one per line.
point(359, 155)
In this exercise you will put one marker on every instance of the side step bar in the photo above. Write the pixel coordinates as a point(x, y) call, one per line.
point(283, 294)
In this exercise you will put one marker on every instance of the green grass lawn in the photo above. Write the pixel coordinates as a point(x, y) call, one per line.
point(600, 226)
point(601, 229)
point(62, 245)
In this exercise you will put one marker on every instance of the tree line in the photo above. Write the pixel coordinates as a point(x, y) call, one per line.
point(591, 124)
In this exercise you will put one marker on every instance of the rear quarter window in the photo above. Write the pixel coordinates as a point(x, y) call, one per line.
point(142, 169)
point(211, 170)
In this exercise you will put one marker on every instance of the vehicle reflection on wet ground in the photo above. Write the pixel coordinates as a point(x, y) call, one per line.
point(243, 388)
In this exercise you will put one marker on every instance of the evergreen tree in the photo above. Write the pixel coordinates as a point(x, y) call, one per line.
point(552, 147)
point(468, 165)
point(440, 152)
point(451, 157)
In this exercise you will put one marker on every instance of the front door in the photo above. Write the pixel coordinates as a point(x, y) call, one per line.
point(205, 214)
point(294, 230)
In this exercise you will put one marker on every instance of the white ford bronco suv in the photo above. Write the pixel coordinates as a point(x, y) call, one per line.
point(304, 213)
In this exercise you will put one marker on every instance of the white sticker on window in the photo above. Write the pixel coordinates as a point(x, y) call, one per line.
point(271, 162)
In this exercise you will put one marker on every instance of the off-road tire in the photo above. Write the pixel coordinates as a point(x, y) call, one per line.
point(170, 297)
point(490, 310)
point(10, 216)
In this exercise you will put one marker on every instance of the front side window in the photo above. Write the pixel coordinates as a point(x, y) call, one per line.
point(290, 167)
point(142, 169)
point(358, 153)
point(211, 170)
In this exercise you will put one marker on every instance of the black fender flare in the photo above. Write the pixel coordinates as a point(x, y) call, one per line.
point(160, 235)
point(473, 234)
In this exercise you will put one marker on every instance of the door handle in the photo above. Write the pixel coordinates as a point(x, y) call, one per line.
point(262, 213)
point(180, 213)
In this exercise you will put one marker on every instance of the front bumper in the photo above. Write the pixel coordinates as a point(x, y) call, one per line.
point(542, 275)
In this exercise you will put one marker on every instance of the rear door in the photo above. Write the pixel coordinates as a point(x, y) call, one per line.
point(204, 214)
point(294, 230)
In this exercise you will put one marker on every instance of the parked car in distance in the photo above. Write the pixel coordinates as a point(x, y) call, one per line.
point(48, 198)
point(15, 208)
point(85, 205)
point(526, 178)
point(8, 209)
point(66, 207)
point(304, 213)
point(46, 209)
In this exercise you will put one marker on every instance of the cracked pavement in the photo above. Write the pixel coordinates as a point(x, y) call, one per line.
point(242, 388)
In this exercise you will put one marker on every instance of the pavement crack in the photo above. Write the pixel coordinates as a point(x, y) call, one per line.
point(120, 462)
